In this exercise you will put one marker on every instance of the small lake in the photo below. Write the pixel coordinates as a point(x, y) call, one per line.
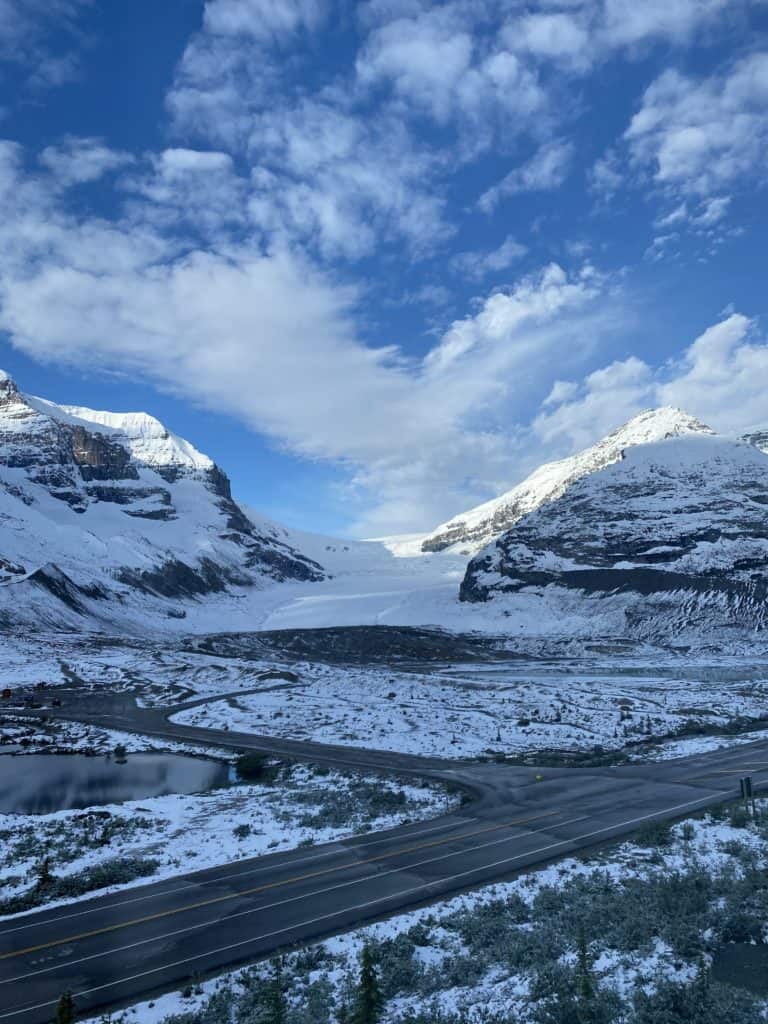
point(41, 783)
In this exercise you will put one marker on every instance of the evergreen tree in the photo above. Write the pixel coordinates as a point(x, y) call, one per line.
point(585, 983)
point(277, 1005)
point(368, 1000)
point(44, 873)
point(65, 1011)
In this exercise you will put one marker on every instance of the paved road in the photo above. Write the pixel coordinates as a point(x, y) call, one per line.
point(118, 949)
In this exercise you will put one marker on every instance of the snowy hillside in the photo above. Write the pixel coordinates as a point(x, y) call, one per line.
point(108, 516)
point(471, 531)
point(672, 540)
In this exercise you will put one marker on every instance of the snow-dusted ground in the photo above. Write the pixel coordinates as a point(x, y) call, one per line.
point(469, 711)
point(691, 745)
point(193, 832)
point(706, 844)
point(568, 700)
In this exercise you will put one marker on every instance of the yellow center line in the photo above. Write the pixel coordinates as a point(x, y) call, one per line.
point(270, 885)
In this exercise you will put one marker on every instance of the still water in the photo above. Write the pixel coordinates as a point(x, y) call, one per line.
point(41, 783)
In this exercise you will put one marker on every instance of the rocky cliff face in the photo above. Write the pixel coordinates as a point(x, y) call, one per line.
point(101, 509)
point(471, 531)
point(670, 541)
point(758, 438)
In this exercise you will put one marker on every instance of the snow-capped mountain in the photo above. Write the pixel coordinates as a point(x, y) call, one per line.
point(671, 540)
point(101, 511)
point(470, 531)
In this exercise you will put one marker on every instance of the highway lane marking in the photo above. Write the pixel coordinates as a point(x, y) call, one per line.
point(325, 917)
point(280, 903)
point(236, 874)
point(270, 885)
point(724, 771)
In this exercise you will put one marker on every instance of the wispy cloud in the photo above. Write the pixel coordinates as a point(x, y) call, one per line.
point(546, 170)
point(42, 38)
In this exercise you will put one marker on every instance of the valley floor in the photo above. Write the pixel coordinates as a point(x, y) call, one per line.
point(508, 949)
point(470, 711)
point(550, 697)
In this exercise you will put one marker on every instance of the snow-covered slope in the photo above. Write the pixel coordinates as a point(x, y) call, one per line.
point(107, 516)
point(471, 531)
point(670, 541)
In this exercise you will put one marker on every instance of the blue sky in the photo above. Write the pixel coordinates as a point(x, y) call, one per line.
point(382, 259)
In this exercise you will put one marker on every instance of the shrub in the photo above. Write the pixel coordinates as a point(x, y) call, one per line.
point(738, 818)
point(117, 871)
point(654, 833)
point(704, 1002)
point(252, 767)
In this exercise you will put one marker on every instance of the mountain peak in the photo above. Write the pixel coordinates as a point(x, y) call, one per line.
point(666, 541)
point(656, 424)
point(147, 438)
point(477, 527)
point(7, 383)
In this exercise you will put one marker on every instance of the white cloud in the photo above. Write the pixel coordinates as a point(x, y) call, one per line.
point(606, 176)
point(713, 211)
point(719, 378)
point(579, 34)
point(323, 173)
point(77, 160)
point(342, 184)
point(40, 35)
point(678, 215)
point(591, 409)
point(661, 247)
point(697, 136)
point(547, 169)
point(560, 36)
point(439, 61)
point(480, 264)
point(626, 22)
point(261, 19)
point(505, 316)
point(199, 191)
point(345, 164)
point(562, 391)
point(425, 59)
